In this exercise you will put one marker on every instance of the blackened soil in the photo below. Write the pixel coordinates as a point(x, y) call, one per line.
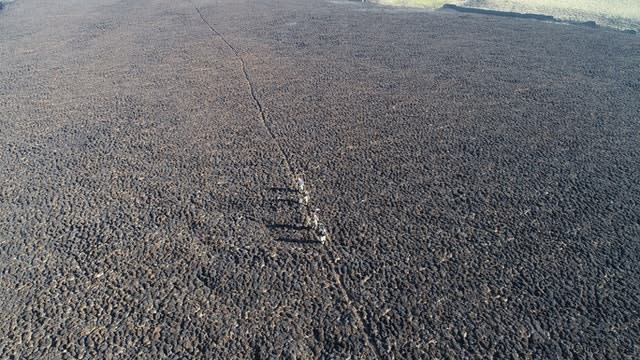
point(478, 175)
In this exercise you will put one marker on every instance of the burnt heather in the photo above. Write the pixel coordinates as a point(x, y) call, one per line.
point(478, 176)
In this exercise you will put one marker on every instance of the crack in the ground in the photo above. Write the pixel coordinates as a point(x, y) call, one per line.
point(252, 91)
point(369, 339)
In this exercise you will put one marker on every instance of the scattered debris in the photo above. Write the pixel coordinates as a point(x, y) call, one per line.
point(311, 217)
point(304, 200)
point(322, 234)
point(300, 183)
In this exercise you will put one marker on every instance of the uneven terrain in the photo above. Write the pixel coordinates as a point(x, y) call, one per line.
point(478, 176)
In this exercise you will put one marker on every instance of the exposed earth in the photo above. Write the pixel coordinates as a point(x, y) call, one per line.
point(479, 178)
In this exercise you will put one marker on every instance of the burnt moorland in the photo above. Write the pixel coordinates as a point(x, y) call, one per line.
point(478, 176)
